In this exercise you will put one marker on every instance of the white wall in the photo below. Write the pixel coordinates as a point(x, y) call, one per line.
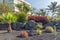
point(1, 1)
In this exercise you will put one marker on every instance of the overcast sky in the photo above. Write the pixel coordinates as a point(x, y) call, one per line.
point(41, 3)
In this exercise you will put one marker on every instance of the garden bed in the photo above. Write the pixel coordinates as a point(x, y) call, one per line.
point(15, 36)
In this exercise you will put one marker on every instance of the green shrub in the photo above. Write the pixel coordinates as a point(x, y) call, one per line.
point(49, 29)
point(24, 7)
point(39, 32)
point(39, 27)
point(57, 19)
point(22, 17)
point(5, 8)
point(50, 18)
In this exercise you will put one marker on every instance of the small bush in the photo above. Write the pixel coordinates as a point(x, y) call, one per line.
point(49, 29)
point(50, 18)
point(4, 8)
point(41, 19)
point(39, 27)
point(22, 17)
point(23, 33)
point(39, 32)
point(57, 19)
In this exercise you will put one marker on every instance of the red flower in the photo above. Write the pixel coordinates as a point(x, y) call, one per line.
point(38, 18)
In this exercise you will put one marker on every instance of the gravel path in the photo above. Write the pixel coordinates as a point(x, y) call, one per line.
point(13, 36)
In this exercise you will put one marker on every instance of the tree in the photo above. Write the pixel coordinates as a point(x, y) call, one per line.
point(5, 8)
point(53, 7)
point(22, 17)
point(58, 13)
point(8, 18)
point(24, 7)
point(33, 11)
point(41, 12)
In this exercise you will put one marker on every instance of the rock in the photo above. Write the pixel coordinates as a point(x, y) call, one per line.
point(3, 26)
point(30, 25)
point(18, 26)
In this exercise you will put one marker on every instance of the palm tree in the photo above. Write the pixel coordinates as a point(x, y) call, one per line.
point(58, 13)
point(41, 12)
point(8, 18)
point(53, 7)
point(24, 7)
point(33, 11)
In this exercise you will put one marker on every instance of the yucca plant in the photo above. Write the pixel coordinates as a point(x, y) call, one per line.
point(8, 18)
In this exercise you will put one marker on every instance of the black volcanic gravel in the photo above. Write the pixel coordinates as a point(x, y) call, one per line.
point(14, 36)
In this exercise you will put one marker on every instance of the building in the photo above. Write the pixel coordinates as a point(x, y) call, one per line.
point(12, 3)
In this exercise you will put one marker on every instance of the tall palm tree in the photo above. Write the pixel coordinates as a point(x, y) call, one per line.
point(53, 7)
point(33, 11)
point(58, 12)
point(41, 12)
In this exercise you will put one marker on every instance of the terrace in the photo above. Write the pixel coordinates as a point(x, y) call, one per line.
point(17, 24)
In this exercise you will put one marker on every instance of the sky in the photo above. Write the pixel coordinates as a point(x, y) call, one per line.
point(40, 4)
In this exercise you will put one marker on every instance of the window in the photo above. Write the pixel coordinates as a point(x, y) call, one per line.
point(8, 1)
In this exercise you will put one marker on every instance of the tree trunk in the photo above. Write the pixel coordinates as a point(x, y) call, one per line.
point(53, 13)
point(9, 27)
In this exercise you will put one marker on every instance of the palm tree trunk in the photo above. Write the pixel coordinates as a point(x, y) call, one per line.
point(53, 14)
point(9, 27)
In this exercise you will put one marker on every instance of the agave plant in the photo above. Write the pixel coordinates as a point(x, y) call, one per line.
point(8, 18)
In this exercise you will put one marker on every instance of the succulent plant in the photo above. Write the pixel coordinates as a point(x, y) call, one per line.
point(49, 29)
point(23, 33)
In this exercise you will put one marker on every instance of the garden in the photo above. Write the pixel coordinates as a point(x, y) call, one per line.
point(22, 26)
